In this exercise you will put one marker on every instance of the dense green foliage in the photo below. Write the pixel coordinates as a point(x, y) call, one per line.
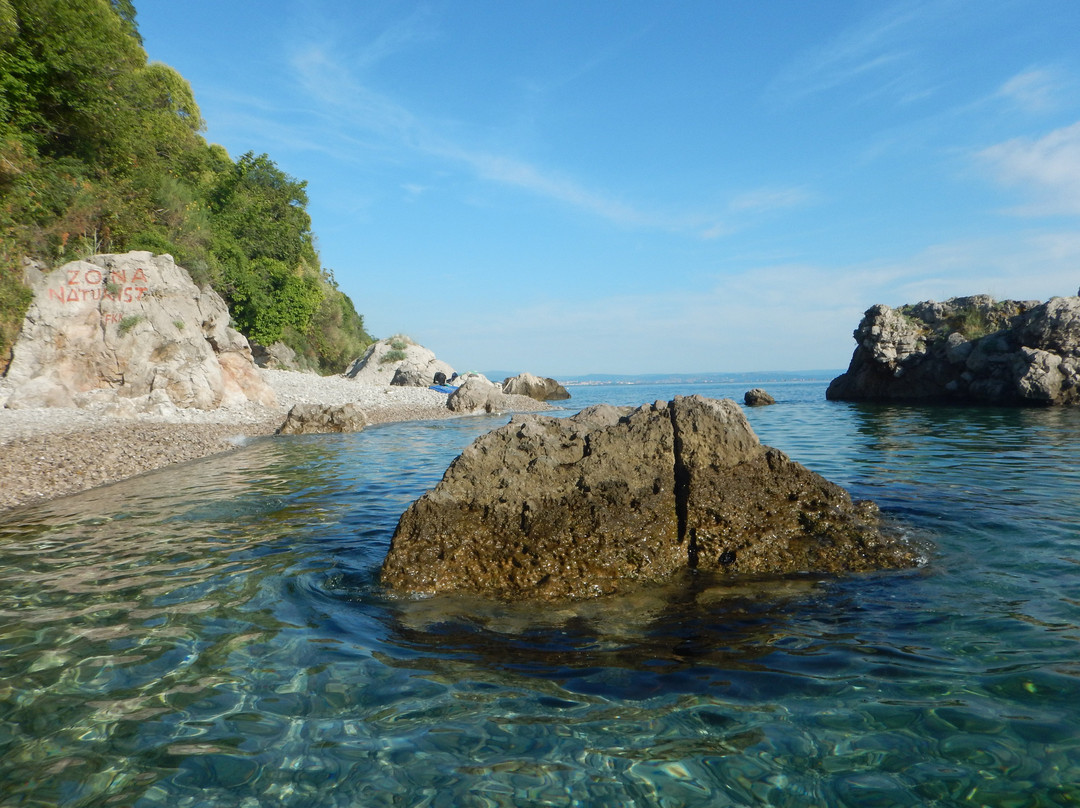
point(101, 151)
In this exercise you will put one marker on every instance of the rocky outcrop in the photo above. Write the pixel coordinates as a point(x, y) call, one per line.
point(475, 395)
point(566, 508)
point(317, 419)
point(382, 361)
point(542, 389)
point(967, 350)
point(132, 326)
point(757, 398)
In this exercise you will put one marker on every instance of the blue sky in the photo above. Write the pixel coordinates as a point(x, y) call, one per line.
point(633, 187)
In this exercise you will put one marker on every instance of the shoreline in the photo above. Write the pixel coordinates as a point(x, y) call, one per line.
point(54, 452)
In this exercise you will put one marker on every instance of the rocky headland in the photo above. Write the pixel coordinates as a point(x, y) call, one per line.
point(552, 509)
point(967, 350)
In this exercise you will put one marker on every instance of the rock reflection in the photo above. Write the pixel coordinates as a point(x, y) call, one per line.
point(679, 637)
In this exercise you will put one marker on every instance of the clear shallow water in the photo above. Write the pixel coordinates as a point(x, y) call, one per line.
point(214, 634)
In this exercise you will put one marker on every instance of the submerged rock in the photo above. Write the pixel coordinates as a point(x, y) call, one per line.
point(971, 350)
point(567, 508)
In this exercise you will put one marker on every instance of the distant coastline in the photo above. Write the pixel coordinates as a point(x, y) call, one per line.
point(702, 378)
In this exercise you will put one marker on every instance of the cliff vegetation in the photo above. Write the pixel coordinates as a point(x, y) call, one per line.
point(101, 151)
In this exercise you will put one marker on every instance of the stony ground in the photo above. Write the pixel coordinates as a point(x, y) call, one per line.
point(46, 453)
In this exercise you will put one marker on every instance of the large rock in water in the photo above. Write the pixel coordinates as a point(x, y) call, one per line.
point(971, 350)
point(132, 325)
point(413, 364)
point(565, 508)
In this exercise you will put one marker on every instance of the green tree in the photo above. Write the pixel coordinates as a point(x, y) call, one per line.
point(101, 150)
point(126, 10)
point(264, 211)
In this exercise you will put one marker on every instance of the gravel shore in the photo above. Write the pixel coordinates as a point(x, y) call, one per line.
point(46, 453)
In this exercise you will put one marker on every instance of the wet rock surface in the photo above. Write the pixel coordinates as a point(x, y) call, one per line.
point(612, 498)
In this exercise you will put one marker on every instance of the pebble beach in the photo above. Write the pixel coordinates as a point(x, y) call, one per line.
point(51, 452)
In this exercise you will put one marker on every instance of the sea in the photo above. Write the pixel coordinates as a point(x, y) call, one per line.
point(214, 634)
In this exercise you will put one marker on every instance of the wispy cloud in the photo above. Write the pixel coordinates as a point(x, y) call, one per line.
point(398, 36)
point(550, 184)
point(352, 112)
point(718, 230)
point(764, 200)
point(332, 81)
point(1034, 90)
point(1046, 169)
point(749, 205)
point(879, 52)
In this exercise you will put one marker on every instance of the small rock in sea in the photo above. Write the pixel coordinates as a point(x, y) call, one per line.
point(758, 398)
point(542, 389)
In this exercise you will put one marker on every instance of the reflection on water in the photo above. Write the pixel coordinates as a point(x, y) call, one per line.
point(215, 634)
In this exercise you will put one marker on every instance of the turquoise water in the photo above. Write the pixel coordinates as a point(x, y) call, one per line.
point(214, 634)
